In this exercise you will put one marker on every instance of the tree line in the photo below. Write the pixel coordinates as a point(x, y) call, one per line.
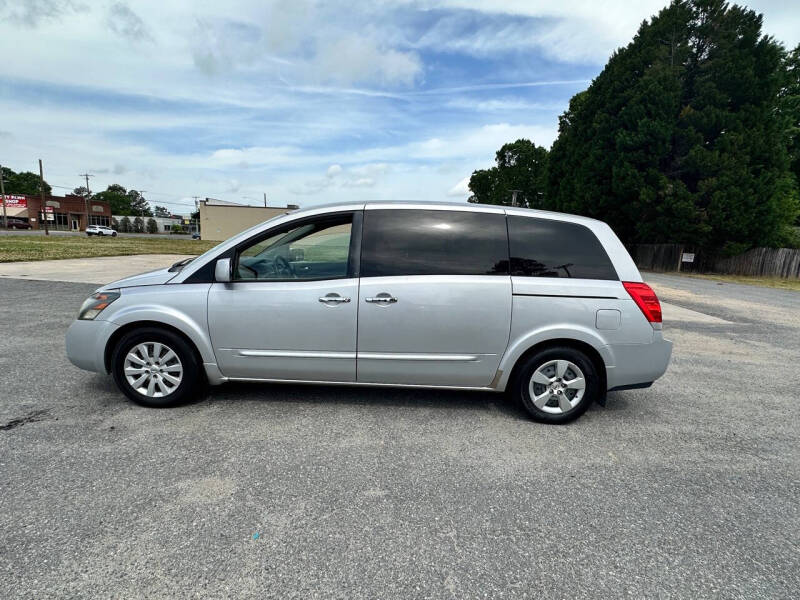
point(690, 134)
point(121, 201)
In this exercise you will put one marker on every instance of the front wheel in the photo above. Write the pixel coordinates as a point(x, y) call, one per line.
point(114, 234)
point(156, 368)
point(557, 385)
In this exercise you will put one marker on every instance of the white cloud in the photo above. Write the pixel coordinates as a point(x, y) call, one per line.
point(123, 21)
point(460, 189)
point(360, 182)
point(358, 59)
point(333, 170)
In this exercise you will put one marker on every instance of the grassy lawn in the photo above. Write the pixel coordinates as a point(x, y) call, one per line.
point(16, 248)
point(773, 282)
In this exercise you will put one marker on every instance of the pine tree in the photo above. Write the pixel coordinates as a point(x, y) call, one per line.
point(676, 140)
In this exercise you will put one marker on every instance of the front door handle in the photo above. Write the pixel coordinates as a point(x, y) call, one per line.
point(382, 299)
point(334, 298)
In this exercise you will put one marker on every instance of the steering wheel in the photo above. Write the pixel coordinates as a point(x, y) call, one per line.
point(283, 267)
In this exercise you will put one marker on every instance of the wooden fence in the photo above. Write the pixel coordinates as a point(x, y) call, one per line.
point(770, 262)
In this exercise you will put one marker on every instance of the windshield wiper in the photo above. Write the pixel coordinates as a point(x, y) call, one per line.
point(180, 264)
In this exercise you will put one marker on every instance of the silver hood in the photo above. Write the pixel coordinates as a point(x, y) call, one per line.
point(150, 278)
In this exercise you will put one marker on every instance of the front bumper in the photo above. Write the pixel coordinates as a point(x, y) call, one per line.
point(86, 344)
point(636, 364)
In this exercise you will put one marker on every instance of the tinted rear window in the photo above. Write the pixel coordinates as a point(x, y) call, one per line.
point(433, 242)
point(545, 248)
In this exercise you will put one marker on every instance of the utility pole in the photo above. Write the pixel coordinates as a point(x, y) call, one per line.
point(86, 197)
point(44, 203)
point(197, 210)
point(141, 208)
point(265, 199)
point(3, 194)
point(514, 197)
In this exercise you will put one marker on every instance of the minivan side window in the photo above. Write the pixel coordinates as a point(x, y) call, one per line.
point(317, 249)
point(433, 242)
point(549, 248)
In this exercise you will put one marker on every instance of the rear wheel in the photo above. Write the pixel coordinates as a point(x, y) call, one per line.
point(156, 368)
point(557, 385)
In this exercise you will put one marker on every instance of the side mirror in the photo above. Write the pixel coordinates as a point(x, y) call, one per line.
point(222, 270)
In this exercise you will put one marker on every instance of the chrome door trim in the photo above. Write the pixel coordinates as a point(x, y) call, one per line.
point(419, 357)
point(293, 354)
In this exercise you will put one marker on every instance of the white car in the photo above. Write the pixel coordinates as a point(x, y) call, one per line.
point(100, 230)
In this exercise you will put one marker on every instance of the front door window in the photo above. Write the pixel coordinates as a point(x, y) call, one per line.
point(312, 250)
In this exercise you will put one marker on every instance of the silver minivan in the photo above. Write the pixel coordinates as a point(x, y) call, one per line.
point(547, 306)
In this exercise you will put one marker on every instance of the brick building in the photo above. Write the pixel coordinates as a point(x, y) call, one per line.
point(66, 213)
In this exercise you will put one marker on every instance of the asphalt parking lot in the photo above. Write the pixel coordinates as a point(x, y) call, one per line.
point(687, 489)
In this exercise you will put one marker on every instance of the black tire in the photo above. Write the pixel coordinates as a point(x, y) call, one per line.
point(193, 377)
point(522, 383)
point(114, 234)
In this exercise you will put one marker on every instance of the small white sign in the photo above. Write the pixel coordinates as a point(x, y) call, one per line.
point(687, 257)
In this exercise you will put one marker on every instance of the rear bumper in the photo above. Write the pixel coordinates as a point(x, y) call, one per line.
point(638, 365)
point(86, 344)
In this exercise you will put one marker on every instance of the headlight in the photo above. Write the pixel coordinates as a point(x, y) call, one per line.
point(95, 304)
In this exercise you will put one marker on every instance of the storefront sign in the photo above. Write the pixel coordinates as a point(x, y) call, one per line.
point(16, 202)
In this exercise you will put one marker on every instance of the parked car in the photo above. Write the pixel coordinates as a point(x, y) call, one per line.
point(18, 224)
point(196, 235)
point(100, 230)
point(547, 306)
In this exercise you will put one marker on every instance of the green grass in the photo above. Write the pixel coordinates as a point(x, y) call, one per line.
point(17, 248)
point(772, 282)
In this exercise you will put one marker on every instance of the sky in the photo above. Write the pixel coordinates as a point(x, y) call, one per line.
point(308, 102)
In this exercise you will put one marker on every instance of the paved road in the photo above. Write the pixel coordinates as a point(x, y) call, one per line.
point(688, 489)
point(82, 233)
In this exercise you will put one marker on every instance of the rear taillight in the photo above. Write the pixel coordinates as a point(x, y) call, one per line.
point(645, 299)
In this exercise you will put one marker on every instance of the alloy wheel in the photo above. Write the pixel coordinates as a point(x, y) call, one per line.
point(153, 369)
point(557, 386)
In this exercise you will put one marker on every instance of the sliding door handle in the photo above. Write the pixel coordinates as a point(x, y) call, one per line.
point(382, 299)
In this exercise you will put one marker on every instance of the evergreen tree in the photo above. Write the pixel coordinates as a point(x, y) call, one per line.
point(522, 166)
point(138, 225)
point(676, 140)
point(152, 226)
point(790, 110)
point(125, 225)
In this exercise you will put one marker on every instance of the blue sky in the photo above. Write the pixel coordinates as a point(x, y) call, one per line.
point(307, 101)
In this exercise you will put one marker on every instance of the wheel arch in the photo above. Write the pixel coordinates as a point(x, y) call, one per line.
point(115, 337)
point(588, 349)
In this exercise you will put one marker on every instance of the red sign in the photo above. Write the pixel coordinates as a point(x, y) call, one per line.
point(16, 202)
